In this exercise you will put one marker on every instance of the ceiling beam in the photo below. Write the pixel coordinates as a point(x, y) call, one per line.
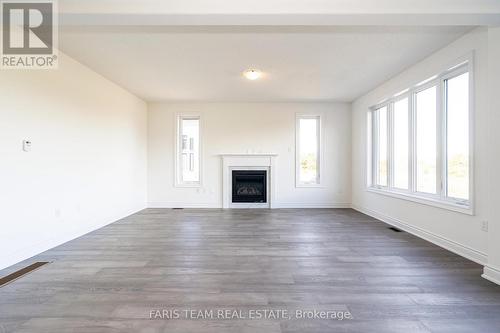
point(279, 12)
point(258, 7)
point(69, 19)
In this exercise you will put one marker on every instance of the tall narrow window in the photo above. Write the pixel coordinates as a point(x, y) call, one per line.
point(382, 147)
point(401, 143)
point(188, 148)
point(457, 136)
point(308, 150)
point(426, 140)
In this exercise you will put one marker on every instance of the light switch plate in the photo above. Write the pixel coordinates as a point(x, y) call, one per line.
point(484, 226)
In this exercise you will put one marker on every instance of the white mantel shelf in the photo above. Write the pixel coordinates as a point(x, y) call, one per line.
point(249, 155)
point(251, 161)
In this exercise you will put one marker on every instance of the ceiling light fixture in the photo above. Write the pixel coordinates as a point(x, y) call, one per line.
point(252, 74)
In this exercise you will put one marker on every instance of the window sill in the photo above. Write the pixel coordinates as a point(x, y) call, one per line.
point(425, 200)
point(309, 186)
point(187, 185)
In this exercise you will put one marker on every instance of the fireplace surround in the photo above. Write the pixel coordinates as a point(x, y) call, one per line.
point(258, 164)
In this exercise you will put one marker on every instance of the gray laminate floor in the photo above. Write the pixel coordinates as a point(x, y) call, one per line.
point(335, 260)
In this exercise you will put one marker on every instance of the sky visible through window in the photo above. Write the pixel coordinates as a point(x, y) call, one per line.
point(458, 136)
point(426, 140)
point(401, 144)
point(421, 139)
point(382, 146)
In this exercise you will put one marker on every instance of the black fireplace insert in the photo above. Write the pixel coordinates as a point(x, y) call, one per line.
point(249, 186)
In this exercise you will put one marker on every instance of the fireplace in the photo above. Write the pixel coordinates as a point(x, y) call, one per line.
point(245, 165)
point(249, 186)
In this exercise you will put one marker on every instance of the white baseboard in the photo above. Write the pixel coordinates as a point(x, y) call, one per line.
point(183, 205)
point(491, 274)
point(455, 247)
point(274, 205)
point(59, 239)
point(311, 205)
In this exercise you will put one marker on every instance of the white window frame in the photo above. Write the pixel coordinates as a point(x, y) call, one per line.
point(178, 181)
point(320, 176)
point(440, 199)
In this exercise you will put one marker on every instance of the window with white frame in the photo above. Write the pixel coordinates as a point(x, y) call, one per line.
point(308, 150)
point(188, 150)
point(420, 141)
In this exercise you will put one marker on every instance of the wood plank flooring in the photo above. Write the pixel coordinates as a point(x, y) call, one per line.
point(322, 259)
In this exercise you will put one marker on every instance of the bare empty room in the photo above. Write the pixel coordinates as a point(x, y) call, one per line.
point(249, 166)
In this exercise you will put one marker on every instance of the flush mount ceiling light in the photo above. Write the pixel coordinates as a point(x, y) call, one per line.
point(252, 74)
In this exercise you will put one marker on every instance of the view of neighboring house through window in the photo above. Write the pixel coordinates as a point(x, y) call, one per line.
point(188, 166)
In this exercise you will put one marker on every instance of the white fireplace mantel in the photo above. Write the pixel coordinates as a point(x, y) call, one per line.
point(260, 161)
point(249, 155)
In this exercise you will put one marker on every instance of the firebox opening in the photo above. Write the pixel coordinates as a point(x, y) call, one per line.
point(249, 186)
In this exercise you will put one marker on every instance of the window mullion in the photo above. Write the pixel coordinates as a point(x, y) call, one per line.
point(319, 159)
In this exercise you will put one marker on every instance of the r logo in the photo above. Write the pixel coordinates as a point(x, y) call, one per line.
point(36, 33)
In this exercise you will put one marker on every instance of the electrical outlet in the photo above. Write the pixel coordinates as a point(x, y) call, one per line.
point(484, 226)
point(26, 145)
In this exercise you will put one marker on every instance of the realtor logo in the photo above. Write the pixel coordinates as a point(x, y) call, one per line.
point(29, 35)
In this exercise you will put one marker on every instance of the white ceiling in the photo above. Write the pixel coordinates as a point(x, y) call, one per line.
point(205, 63)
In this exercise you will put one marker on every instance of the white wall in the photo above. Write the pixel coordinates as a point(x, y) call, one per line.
point(87, 167)
point(492, 270)
point(458, 232)
point(249, 127)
